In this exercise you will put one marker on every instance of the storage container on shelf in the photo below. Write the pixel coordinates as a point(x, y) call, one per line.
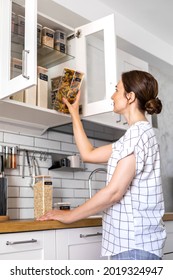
point(43, 192)
point(60, 47)
point(60, 36)
point(16, 70)
point(42, 87)
point(48, 37)
point(38, 95)
point(14, 24)
point(39, 33)
point(21, 25)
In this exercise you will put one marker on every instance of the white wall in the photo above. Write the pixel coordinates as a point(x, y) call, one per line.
point(125, 28)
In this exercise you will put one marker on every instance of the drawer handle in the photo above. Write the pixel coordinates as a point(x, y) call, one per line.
point(90, 235)
point(21, 242)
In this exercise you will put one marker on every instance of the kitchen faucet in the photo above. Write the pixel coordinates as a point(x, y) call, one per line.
point(90, 178)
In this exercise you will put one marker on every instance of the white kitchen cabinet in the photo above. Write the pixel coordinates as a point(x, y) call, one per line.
point(36, 245)
point(95, 56)
point(100, 33)
point(79, 244)
point(168, 249)
point(125, 62)
point(27, 53)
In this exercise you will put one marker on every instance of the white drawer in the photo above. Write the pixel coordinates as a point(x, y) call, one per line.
point(17, 242)
point(82, 235)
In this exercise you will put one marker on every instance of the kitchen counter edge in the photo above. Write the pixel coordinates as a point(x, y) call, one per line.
point(12, 226)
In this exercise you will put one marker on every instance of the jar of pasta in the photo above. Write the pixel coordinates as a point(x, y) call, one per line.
point(42, 195)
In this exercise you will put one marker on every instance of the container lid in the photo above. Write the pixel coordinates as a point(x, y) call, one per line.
point(49, 29)
point(60, 31)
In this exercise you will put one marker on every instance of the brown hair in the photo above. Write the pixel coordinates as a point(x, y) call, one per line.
point(145, 87)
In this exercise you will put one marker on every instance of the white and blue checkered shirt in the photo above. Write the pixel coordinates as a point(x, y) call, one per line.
point(135, 222)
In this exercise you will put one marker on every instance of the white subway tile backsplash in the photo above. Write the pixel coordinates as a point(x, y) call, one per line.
point(14, 214)
point(71, 148)
point(27, 213)
point(18, 139)
point(13, 191)
point(49, 144)
point(67, 186)
point(60, 137)
point(26, 192)
point(75, 184)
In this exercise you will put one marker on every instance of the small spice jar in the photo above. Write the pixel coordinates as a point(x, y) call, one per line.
point(42, 195)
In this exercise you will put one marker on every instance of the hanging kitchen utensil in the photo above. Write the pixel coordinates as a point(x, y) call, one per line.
point(3, 192)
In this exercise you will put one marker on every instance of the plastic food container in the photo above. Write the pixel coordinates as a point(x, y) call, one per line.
point(42, 87)
point(60, 36)
point(14, 25)
point(43, 190)
point(69, 86)
point(55, 82)
point(39, 33)
point(48, 37)
point(60, 47)
point(16, 70)
point(21, 25)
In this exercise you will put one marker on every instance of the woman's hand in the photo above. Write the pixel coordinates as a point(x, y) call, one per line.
point(58, 215)
point(74, 107)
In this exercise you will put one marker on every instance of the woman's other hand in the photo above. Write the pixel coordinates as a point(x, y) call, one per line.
point(58, 215)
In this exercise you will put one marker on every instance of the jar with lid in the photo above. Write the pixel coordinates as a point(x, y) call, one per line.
point(42, 195)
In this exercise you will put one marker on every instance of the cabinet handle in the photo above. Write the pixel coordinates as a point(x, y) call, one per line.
point(90, 235)
point(24, 64)
point(21, 242)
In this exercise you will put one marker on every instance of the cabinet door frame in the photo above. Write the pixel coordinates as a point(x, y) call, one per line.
point(9, 86)
point(107, 25)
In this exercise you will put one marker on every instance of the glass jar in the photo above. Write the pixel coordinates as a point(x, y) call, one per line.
point(42, 195)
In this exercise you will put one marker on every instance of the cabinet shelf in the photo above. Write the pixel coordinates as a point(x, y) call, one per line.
point(67, 169)
point(35, 118)
point(46, 57)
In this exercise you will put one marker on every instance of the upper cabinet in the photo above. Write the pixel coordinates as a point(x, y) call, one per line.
point(95, 56)
point(18, 43)
point(30, 60)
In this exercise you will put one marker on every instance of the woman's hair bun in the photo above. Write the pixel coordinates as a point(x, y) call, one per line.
point(153, 106)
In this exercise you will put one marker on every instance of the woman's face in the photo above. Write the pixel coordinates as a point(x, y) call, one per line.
point(120, 101)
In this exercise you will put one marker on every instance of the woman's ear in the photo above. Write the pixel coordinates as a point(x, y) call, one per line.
point(131, 97)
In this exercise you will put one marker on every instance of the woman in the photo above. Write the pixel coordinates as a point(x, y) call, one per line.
point(132, 199)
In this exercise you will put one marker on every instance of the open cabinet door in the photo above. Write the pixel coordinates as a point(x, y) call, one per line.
point(96, 57)
point(18, 41)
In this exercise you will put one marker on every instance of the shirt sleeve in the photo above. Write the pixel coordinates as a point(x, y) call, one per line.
point(133, 142)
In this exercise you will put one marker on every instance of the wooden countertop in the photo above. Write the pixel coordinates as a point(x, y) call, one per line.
point(33, 225)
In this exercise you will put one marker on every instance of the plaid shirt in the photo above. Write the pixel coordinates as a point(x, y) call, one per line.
point(135, 222)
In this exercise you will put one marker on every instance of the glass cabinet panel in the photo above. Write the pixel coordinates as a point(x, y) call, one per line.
point(96, 57)
point(95, 66)
point(18, 45)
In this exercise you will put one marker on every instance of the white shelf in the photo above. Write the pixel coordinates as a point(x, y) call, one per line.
point(30, 117)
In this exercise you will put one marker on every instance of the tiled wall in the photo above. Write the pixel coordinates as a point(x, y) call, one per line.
point(67, 186)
